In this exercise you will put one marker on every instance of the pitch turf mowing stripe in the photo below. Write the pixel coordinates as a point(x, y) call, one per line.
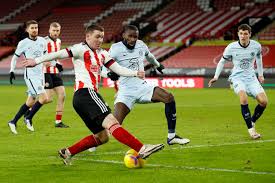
point(183, 167)
point(189, 147)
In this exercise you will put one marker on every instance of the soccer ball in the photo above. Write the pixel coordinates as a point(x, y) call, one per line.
point(132, 160)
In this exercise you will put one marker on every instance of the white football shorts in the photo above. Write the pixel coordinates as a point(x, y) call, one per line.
point(251, 86)
point(35, 86)
point(141, 93)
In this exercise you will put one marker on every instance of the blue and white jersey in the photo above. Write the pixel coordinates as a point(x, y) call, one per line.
point(32, 49)
point(131, 59)
point(243, 59)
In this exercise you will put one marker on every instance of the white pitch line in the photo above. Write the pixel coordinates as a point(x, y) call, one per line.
point(184, 167)
point(190, 147)
point(224, 144)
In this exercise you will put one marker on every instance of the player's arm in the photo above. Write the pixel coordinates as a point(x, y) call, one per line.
point(152, 59)
point(259, 63)
point(218, 71)
point(65, 53)
point(19, 50)
point(227, 56)
point(12, 67)
point(123, 71)
point(116, 69)
point(104, 72)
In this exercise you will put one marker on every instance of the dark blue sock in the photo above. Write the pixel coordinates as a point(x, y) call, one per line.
point(257, 113)
point(20, 113)
point(170, 112)
point(246, 115)
point(34, 109)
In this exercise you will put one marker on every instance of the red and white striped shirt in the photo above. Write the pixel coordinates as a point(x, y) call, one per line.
point(52, 46)
point(87, 65)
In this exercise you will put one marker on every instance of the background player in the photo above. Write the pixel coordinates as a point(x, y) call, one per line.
point(52, 69)
point(31, 47)
point(243, 78)
point(87, 102)
point(130, 53)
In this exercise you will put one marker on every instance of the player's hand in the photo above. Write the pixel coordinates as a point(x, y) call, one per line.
point(141, 74)
point(261, 79)
point(59, 67)
point(47, 64)
point(29, 63)
point(12, 77)
point(160, 68)
point(213, 80)
point(113, 76)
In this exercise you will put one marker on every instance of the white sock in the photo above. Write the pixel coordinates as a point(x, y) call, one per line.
point(171, 135)
point(251, 130)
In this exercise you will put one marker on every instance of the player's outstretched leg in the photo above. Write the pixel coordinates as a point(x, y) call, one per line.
point(161, 95)
point(33, 111)
point(60, 91)
point(90, 141)
point(124, 137)
point(19, 114)
point(12, 127)
point(43, 98)
point(148, 149)
point(259, 109)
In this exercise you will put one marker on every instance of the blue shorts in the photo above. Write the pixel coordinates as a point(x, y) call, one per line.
point(251, 86)
point(141, 93)
point(35, 86)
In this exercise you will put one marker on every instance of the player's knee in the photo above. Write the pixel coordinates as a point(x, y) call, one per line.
point(109, 121)
point(43, 100)
point(49, 100)
point(244, 101)
point(169, 98)
point(263, 102)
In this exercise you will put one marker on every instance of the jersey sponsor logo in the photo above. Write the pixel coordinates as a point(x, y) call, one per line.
point(252, 54)
point(94, 68)
point(134, 64)
point(37, 53)
point(245, 64)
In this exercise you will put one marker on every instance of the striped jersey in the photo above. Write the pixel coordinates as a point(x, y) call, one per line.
point(32, 49)
point(52, 46)
point(87, 65)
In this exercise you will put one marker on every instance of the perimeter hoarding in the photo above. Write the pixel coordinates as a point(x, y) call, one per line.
point(168, 82)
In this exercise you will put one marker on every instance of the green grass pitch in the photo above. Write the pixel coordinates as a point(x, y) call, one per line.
point(220, 148)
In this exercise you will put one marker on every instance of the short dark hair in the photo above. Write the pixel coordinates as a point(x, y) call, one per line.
point(55, 24)
point(129, 27)
point(244, 27)
point(94, 27)
point(28, 23)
